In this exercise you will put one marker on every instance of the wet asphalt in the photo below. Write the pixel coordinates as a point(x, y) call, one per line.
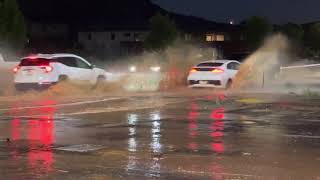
point(209, 135)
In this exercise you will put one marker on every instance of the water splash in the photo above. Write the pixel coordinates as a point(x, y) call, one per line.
point(262, 67)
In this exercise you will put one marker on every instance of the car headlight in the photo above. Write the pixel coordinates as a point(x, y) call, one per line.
point(155, 68)
point(132, 68)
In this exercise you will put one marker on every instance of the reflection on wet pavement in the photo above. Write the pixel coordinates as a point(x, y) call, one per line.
point(217, 128)
point(193, 127)
point(132, 142)
point(156, 146)
point(37, 136)
point(199, 138)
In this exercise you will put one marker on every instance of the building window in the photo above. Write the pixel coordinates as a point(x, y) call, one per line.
point(213, 37)
point(136, 36)
point(89, 36)
point(126, 34)
point(210, 37)
point(220, 37)
point(187, 37)
point(44, 28)
point(113, 36)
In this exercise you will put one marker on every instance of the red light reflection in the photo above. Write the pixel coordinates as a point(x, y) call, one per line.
point(217, 96)
point(217, 128)
point(15, 129)
point(216, 134)
point(193, 146)
point(193, 126)
point(217, 147)
point(39, 131)
point(210, 97)
point(217, 114)
point(217, 171)
point(221, 96)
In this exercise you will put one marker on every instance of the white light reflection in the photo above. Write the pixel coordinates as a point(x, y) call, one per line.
point(132, 131)
point(132, 142)
point(132, 119)
point(156, 132)
point(156, 146)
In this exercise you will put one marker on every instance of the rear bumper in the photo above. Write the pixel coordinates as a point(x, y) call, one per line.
point(208, 83)
point(32, 86)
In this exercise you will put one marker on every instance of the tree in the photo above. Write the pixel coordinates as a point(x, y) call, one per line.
point(293, 31)
point(256, 29)
point(312, 37)
point(163, 33)
point(12, 24)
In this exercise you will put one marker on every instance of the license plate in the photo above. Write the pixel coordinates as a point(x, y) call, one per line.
point(29, 72)
point(203, 82)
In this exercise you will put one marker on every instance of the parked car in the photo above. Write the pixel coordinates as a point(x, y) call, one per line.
point(215, 73)
point(44, 70)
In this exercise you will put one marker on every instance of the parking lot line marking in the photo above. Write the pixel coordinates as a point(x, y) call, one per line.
point(64, 104)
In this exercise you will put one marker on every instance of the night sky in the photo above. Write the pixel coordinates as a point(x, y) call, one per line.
point(277, 11)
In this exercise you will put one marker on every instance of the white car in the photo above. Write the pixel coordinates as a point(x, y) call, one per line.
point(215, 73)
point(44, 70)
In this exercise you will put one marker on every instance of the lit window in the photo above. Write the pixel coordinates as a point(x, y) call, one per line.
point(220, 37)
point(210, 37)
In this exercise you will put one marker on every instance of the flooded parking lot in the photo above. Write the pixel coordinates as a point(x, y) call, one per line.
point(209, 136)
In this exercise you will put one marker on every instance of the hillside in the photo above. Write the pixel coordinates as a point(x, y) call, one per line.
point(118, 14)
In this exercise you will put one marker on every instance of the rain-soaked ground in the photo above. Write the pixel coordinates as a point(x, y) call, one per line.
point(195, 135)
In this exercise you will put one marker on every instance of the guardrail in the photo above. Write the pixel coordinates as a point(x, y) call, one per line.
point(300, 66)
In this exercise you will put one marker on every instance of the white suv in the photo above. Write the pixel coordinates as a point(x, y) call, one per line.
point(44, 70)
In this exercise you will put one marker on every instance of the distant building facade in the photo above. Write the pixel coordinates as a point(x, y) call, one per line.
point(112, 43)
point(116, 30)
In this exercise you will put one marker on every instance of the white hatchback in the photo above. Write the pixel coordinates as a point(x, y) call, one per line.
point(215, 73)
point(44, 70)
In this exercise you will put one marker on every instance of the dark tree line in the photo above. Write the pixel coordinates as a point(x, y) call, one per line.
point(163, 33)
point(305, 39)
point(12, 24)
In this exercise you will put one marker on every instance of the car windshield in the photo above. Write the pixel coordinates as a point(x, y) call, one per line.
point(34, 62)
point(210, 64)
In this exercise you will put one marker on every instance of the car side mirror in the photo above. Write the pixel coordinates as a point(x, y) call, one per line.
point(93, 66)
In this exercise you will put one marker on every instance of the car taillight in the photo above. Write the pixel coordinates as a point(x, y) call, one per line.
point(193, 71)
point(16, 69)
point(47, 68)
point(217, 70)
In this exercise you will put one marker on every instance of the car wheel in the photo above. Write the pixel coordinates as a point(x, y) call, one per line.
point(63, 78)
point(100, 80)
point(229, 84)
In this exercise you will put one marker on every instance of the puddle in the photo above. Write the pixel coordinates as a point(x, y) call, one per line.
point(32, 138)
point(198, 138)
point(81, 148)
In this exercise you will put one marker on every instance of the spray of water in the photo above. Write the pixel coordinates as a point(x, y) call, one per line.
point(262, 68)
point(175, 63)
